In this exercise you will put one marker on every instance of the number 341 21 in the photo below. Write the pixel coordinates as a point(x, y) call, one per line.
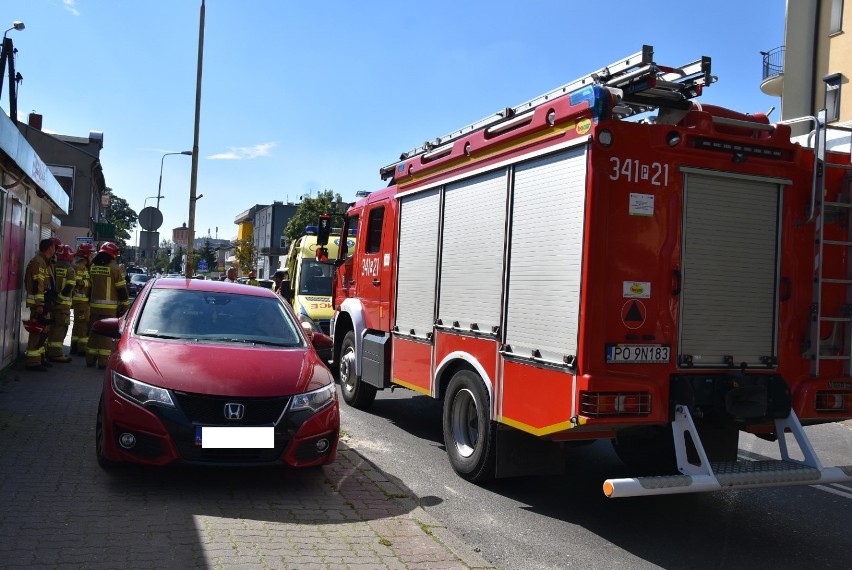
point(635, 171)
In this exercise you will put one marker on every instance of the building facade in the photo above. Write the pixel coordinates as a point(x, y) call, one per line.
point(75, 164)
point(269, 224)
point(811, 70)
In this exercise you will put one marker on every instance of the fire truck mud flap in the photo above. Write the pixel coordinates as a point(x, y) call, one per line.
point(703, 475)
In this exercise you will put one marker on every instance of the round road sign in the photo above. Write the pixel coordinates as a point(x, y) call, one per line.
point(150, 219)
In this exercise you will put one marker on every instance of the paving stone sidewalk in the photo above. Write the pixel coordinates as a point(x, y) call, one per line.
point(60, 510)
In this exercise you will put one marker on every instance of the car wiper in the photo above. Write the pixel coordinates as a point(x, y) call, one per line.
point(156, 335)
point(249, 341)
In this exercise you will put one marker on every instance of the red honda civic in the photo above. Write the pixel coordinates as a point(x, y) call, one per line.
point(215, 373)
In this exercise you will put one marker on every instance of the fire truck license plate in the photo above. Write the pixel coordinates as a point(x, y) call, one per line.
point(637, 353)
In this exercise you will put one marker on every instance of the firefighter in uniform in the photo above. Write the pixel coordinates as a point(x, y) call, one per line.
point(66, 280)
point(80, 299)
point(107, 298)
point(38, 280)
point(251, 279)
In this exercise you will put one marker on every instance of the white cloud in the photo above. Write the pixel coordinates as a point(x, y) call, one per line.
point(70, 5)
point(244, 152)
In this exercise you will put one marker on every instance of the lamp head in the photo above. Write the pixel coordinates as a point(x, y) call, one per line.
point(18, 25)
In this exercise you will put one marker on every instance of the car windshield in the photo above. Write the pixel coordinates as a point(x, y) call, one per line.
point(138, 278)
point(227, 317)
point(315, 278)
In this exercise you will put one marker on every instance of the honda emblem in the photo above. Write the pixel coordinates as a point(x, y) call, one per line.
point(234, 411)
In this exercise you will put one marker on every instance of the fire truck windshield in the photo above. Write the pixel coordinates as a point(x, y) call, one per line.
point(315, 278)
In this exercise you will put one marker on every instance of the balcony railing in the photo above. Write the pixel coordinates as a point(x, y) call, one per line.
point(773, 62)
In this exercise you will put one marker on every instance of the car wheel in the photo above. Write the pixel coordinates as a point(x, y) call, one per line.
point(355, 392)
point(469, 433)
point(105, 463)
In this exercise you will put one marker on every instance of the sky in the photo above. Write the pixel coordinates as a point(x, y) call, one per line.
point(299, 97)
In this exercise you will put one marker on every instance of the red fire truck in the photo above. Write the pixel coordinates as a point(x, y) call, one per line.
point(577, 268)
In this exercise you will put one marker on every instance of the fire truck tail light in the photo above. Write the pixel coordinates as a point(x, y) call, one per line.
point(605, 138)
point(599, 404)
point(833, 402)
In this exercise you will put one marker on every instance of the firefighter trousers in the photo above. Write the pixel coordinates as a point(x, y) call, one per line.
point(99, 346)
point(35, 346)
point(58, 330)
point(80, 329)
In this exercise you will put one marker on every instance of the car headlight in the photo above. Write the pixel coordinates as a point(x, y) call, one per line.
point(314, 400)
point(140, 392)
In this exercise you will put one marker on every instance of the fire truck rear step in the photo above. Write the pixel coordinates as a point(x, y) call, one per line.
point(716, 476)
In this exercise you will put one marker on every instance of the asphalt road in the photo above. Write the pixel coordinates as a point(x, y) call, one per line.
point(566, 521)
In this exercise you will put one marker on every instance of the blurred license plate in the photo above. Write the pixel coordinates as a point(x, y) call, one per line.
point(238, 437)
point(637, 353)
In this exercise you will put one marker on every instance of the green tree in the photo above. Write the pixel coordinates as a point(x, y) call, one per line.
point(177, 259)
point(308, 213)
point(122, 216)
point(246, 254)
point(160, 263)
point(208, 254)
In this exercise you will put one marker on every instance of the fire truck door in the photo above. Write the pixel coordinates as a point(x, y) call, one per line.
point(374, 267)
point(728, 300)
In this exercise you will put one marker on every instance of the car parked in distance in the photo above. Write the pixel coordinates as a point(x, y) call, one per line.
point(135, 282)
point(214, 373)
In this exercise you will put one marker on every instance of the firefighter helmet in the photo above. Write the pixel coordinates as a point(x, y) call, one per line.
point(33, 326)
point(110, 248)
point(57, 243)
point(85, 250)
point(251, 274)
point(65, 253)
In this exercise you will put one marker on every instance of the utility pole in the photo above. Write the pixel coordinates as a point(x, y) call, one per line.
point(193, 184)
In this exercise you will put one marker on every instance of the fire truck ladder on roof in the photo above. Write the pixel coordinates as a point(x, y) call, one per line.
point(838, 345)
point(641, 85)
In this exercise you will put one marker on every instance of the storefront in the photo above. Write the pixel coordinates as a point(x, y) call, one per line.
point(30, 201)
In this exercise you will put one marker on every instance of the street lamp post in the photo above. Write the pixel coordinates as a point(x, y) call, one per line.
point(7, 53)
point(160, 187)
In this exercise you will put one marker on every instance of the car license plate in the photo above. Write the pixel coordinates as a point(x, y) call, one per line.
point(237, 437)
point(637, 353)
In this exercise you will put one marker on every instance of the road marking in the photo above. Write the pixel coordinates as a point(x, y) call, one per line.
point(846, 493)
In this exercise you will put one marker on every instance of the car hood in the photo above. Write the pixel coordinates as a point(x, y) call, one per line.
point(222, 369)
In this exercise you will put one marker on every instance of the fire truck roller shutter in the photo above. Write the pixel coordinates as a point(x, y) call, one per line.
point(543, 307)
point(472, 251)
point(418, 259)
point(730, 268)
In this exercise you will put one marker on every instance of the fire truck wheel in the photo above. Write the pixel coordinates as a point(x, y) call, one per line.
point(355, 392)
point(469, 433)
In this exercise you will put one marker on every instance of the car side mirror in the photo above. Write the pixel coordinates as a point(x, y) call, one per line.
point(107, 327)
point(321, 340)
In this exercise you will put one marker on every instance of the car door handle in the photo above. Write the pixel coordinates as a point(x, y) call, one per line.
point(376, 282)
